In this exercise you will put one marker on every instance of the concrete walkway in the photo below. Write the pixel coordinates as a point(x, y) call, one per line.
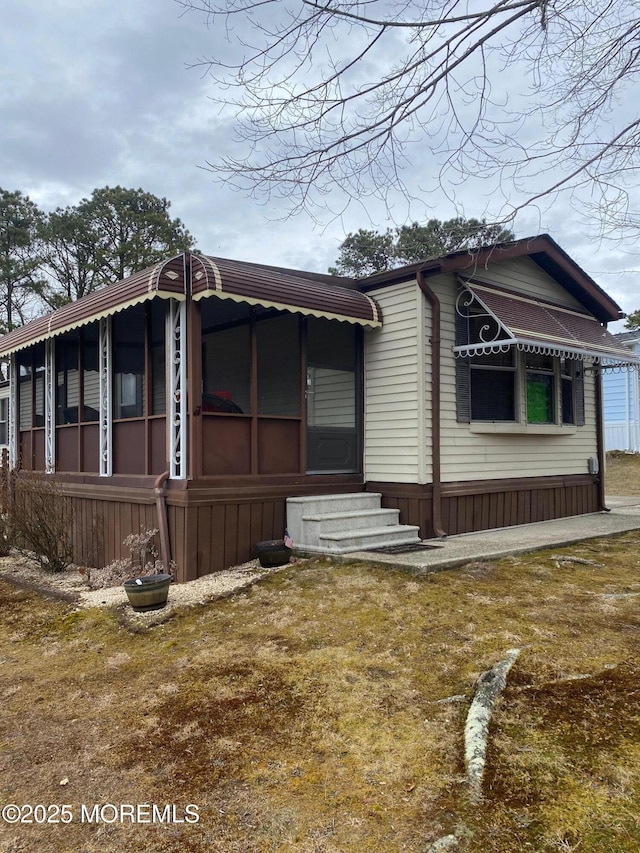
point(491, 544)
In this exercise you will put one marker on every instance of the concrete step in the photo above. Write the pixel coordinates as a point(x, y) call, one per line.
point(364, 540)
point(322, 504)
point(338, 522)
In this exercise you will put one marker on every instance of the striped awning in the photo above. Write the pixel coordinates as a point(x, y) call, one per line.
point(302, 293)
point(531, 324)
point(166, 279)
point(285, 290)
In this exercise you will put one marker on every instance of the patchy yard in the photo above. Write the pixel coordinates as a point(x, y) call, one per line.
point(623, 473)
point(322, 710)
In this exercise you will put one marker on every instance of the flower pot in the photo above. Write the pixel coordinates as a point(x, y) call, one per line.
point(148, 592)
point(273, 553)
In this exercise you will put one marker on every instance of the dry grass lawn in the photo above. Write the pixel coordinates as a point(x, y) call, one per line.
point(322, 711)
point(623, 473)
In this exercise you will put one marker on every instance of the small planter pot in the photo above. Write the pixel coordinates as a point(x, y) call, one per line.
point(273, 553)
point(148, 592)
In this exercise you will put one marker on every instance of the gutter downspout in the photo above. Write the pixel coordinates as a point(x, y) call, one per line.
point(435, 403)
point(160, 490)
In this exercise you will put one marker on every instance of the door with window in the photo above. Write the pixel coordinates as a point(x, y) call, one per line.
point(333, 395)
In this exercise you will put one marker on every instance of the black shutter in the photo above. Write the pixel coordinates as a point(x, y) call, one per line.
point(579, 383)
point(463, 373)
point(463, 391)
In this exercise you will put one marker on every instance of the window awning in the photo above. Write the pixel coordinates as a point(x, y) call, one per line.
point(285, 290)
point(531, 324)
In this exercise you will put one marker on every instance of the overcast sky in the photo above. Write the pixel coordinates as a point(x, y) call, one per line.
point(98, 92)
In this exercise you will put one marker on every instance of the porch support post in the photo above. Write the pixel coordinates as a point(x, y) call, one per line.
point(177, 420)
point(105, 357)
point(12, 426)
point(49, 406)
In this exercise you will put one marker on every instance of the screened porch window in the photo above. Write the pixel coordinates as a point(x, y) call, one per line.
point(67, 378)
point(226, 357)
point(90, 373)
point(278, 345)
point(77, 377)
point(128, 363)
point(157, 331)
point(4, 420)
point(31, 387)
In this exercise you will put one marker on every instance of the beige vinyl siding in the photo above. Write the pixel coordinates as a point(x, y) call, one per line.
point(525, 275)
point(394, 387)
point(467, 455)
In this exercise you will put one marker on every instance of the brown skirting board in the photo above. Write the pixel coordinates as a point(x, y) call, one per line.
point(487, 504)
point(214, 525)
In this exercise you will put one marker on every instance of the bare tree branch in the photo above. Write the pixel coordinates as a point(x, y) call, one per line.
point(534, 96)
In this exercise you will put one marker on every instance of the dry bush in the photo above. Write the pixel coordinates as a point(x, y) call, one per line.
point(40, 521)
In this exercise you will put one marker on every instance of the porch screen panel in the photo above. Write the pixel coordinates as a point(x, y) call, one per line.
point(25, 393)
point(278, 342)
point(128, 363)
point(39, 376)
point(333, 430)
point(67, 379)
point(226, 357)
point(158, 357)
point(4, 421)
point(91, 374)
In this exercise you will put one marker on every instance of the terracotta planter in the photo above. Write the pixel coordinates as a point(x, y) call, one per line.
point(148, 592)
point(273, 553)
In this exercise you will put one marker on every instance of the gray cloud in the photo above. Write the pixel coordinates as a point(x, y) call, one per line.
point(99, 93)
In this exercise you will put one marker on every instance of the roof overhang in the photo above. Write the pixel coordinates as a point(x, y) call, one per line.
point(542, 250)
point(165, 280)
point(531, 324)
point(269, 288)
point(201, 277)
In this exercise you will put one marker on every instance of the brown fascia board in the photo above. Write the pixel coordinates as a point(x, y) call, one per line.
point(543, 250)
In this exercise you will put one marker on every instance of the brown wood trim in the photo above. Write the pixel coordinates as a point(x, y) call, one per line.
point(111, 494)
point(515, 484)
point(253, 394)
point(146, 401)
point(304, 368)
point(323, 482)
point(474, 487)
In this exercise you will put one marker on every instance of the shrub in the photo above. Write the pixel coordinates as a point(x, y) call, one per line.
point(6, 537)
point(143, 560)
point(40, 521)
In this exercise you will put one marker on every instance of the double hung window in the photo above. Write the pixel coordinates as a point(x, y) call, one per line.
point(501, 384)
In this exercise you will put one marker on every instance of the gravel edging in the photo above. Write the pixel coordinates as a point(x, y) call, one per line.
point(70, 587)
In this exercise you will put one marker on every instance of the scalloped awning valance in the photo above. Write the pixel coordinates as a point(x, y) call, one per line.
point(531, 324)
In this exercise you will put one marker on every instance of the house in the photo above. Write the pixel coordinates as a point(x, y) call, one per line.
point(622, 401)
point(199, 395)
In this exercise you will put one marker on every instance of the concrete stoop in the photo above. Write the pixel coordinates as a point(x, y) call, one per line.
point(340, 524)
